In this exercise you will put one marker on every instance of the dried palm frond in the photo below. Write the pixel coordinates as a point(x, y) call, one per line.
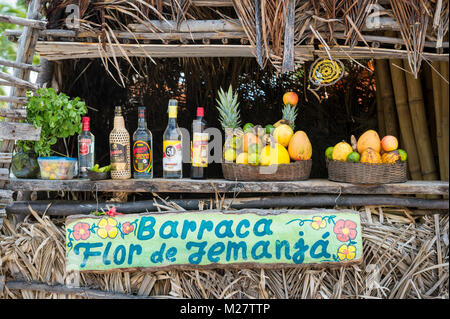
point(412, 17)
point(355, 13)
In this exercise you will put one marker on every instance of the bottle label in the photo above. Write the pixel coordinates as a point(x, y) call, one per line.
point(172, 156)
point(85, 144)
point(118, 154)
point(200, 150)
point(142, 157)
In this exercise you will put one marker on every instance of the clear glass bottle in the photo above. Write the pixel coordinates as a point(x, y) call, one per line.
point(86, 144)
point(119, 143)
point(142, 148)
point(199, 150)
point(172, 145)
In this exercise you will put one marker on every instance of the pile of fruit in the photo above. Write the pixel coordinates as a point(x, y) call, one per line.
point(368, 149)
point(96, 168)
point(269, 145)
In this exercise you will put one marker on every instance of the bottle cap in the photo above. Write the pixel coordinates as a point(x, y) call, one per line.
point(141, 111)
point(118, 110)
point(173, 102)
point(200, 111)
point(85, 120)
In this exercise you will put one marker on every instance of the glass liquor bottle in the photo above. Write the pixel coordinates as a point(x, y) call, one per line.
point(119, 143)
point(172, 147)
point(199, 146)
point(142, 148)
point(86, 143)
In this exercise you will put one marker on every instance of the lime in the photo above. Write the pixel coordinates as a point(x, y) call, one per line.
point(353, 157)
point(403, 154)
point(248, 127)
point(269, 129)
point(254, 148)
point(230, 155)
point(329, 152)
point(95, 168)
point(254, 159)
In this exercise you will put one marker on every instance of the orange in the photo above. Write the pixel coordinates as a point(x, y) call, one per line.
point(282, 134)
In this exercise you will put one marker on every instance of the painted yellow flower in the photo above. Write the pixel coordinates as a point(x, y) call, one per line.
point(107, 228)
point(318, 222)
point(346, 252)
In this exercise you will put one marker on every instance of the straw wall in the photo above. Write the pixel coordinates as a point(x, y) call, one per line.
point(404, 257)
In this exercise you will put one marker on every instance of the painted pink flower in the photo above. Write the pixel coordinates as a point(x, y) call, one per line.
point(345, 230)
point(127, 228)
point(81, 231)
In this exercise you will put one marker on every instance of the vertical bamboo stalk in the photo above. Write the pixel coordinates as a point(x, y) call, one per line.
point(380, 108)
point(404, 117)
point(444, 115)
point(427, 84)
point(387, 97)
point(420, 127)
point(436, 79)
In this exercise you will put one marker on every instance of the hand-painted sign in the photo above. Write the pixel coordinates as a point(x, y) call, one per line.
point(209, 239)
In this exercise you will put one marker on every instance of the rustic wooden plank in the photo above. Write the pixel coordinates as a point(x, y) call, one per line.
point(5, 158)
point(189, 26)
point(14, 99)
point(37, 24)
point(6, 197)
point(4, 174)
point(210, 186)
point(13, 113)
point(289, 39)
point(19, 131)
point(17, 81)
point(81, 291)
point(73, 50)
point(25, 66)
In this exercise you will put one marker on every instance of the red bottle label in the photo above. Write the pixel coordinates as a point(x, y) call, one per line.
point(84, 146)
point(142, 157)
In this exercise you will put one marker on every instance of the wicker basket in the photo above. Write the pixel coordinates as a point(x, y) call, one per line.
point(362, 173)
point(295, 171)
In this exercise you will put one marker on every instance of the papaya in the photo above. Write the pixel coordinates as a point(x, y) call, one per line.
point(300, 147)
point(340, 151)
point(391, 157)
point(389, 143)
point(370, 156)
point(370, 139)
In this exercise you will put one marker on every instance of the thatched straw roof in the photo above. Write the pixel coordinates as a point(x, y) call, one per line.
point(272, 31)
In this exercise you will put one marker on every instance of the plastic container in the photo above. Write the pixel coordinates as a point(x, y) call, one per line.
point(56, 167)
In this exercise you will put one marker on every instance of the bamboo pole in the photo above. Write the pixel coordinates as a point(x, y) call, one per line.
point(404, 117)
point(387, 97)
point(420, 127)
point(427, 84)
point(380, 109)
point(436, 79)
point(444, 115)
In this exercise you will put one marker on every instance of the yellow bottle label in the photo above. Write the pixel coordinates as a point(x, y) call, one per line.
point(200, 150)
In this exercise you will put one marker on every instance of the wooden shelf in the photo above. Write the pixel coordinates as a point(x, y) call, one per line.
point(318, 186)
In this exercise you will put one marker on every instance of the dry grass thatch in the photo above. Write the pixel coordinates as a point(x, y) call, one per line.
point(402, 259)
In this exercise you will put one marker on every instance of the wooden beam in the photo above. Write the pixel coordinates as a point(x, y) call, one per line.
point(289, 39)
point(225, 186)
point(79, 291)
point(19, 131)
point(25, 66)
point(5, 158)
point(37, 24)
point(17, 81)
point(189, 26)
point(74, 50)
point(4, 174)
point(14, 99)
point(13, 113)
point(6, 197)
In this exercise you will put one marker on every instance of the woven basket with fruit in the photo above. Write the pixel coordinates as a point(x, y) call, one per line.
point(367, 161)
point(273, 152)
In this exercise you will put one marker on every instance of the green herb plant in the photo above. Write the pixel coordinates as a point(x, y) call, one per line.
point(57, 115)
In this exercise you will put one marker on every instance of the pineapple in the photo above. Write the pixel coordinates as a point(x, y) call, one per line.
point(228, 108)
point(290, 114)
